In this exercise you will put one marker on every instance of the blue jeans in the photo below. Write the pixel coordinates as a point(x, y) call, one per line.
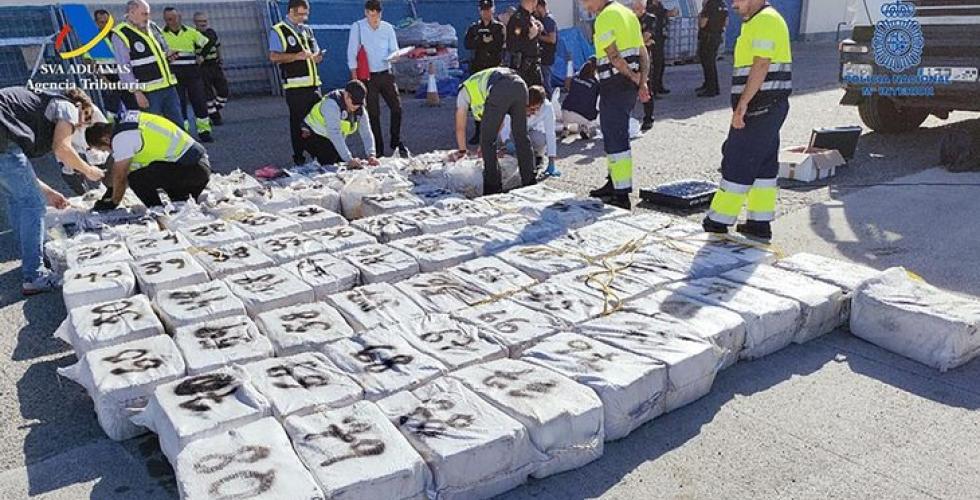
point(25, 209)
point(166, 103)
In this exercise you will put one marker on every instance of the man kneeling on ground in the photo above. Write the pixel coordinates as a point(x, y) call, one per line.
point(339, 114)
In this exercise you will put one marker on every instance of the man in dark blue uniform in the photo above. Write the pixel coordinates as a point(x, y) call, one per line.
point(485, 38)
point(711, 29)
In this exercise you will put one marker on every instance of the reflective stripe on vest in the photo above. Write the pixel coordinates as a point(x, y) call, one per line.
point(765, 35)
point(146, 58)
point(296, 74)
point(318, 123)
point(478, 88)
point(617, 24)
point(161, 139)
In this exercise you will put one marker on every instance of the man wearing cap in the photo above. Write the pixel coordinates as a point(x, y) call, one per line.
point(485, 38)
point(338, 115)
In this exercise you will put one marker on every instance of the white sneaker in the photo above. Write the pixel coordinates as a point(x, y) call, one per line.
point(44, 283)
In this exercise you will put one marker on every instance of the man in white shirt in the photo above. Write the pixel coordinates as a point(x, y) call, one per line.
point(542, 129)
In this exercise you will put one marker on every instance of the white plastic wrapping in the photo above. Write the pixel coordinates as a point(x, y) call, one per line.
point(388, 227)
point(303, 327)
point(167, 271)
point(368, 306)
point(382, 263)
point(325, 274)
point(616, 282)
point(275, 199)
point(475, 212)
point(313, 217)
point(228, 208)
point(493, 276)
point(452, 342)
point(196, 304)
point(540, 193)
point(214, 234)
point(512, 325)
point(506, 203)
point(267, 289)
point(120, 379)
point(96, 254)
point(95, 284)
point(542, 261)
point(667, 255)
point(316, 194)
point(285, 247)
point(434, 220)
point(529, 230)
point(482, 240)
point(466, 177)
point(441, 292)
point(704, 243)
point(846, 275)
point(432, 194)
point(650, 221)
point(577, 213)
point(602, 239)
point(261, 224)
point(145, 245)
point(354, 189)
point(433, 252)
point(109, 323)
point(564, 419)
point(570, 304)
point(232, 259)
point(55, 249)
point(300, 384)
point(342, 238)
point(213, 344)
point(389, 203)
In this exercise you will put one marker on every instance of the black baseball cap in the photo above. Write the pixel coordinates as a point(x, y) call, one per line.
point(356, 90)
point(486, 4)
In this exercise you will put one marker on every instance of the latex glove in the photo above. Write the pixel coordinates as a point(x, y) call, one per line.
point(552, 170)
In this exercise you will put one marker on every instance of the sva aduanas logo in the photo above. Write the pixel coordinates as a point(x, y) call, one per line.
point(88, 32)
point(898, 40)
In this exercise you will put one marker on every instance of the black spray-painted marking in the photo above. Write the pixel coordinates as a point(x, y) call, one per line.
point(377, 361)
point(209, 229)
point(427, 245)
point(262, 283)
point(222, 337)
point(285, 242)
point(194, 300)
point(307, 212)
point(94, 277)
point(497, 320)
point(156, 267)
point(94, 252)
point(293, 380)
point(349, 434)
point(112, 312)
point(247, 483)
point(303, 321)
point(220, 256)
point(259, 220)
point(461, 340)
point(138, 361)
point(150, 243)
point(443, 285)
point(424, 421)
point(502, 379)
point(586, 356)
point(214, 387)
point(368, 300)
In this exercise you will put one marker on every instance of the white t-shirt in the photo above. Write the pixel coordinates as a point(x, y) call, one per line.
point(126, 144)
point(462, 99)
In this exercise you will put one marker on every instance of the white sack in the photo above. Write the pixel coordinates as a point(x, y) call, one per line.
point(268, 289)
point(382, 263)
point(168, 271)
point(196, 304)
point(96, 254)
point(232, 259)
point(512, 325)
point(109, 323)
point(452, 342)
point(325, 274)
point(434, 220)
point(342, 238)
point(222, 342)
point(275, 199)
point(369, 306)
point(434, 253)
point(354, 190)
point(145, 245)
point(303, 327)
point(388, 227)
point(315, 194)
point(493, 276)
point(313, 217)
point(285, 247)
point(302, 384)
point(95, 284)
point(441, 292)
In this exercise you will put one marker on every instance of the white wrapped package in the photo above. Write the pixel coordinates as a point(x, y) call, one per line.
point(234, 181)
point(823, 306)
point(275, 199)
point(650, 221)
point(355, 453)
point(512, 325)
point(476, 212)
point(199, 407)
point(466, 177)
point(431, 195)
point(388, 227)
point(196, 304)
point(109, 323)
point(613, 286)
point(268, 289)
point(666, 254)
point(604, 238)
point(483, 241)
point(96, 254)
point(441, 292)
point(301, 384)
point(723, 328)
point(89, 285)
point(692, 362)
point(368, 306)
point(313, 217)
point(232, 259)
point(577, 213)
point(493, 276)
point(342, 238)
point(316, 194)
point(846, 275)
point(389, 203)
point(473, 449)
point(303, 327)
point(563, 418)
point(251, 461)
point(214, 234)
point(916, 320)
point(570, 304)
point(452, 342)
point(261, 224)
point(144, 245)
point(354, 189)
point(542, 261)
point(633, 388)
point(433, 252)
point(228, 208)
point(771, 322)
point(325, 274)
point(213, 344)
point(55, 249)
point(167, 271)
point(655, 270)
point(540, 193)
point(383, 362)
point(529, 230)
point(382, 263)
point(506, 203)
point(120, 379)
point(285, 247)
point(434, 220)
point(703, 244)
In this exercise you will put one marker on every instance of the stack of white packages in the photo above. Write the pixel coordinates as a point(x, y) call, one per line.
point(663, 254)
point(228, 208)
point(186, 216)
point(109, 323)
point(251, 461)
point(570, 304)
point(914, 319)
point(615, 283)
point(441, 292)
point(493, 276)
point(195, 304)
point(200, 406)
point(368, 306)
point(275, 199)
point(434, 253)
point(747, 254)
point(454, 343)
point(232, 259)
point(507, 203)
point(167, 271)
point(650, 221)
point(301, 384)
point(156, 243)
point(432, 195)
point(303, 327)
point(389, 203)
point(540, 193)
point(771, 321)
point(342, 238)
point(234, 181)
point(355, 453)
point(383, 362)
point(564, 419)
point(632, 388)
point(578, 213)
point(542, 261)
point(268, 289)
point(214, 234)
point(388, 227)
point(839, 273)
point(476, 212)
point(94, 284)
point(530, 230)
point(823, 306)
point(313, 217)
point(723, 328)
point(325, 274)
point(483, 241)
point(434, 220)
point(382, 263)
point(512, 325)
point(55, 250)
point(120, 379)
point(692, 362)
point(474, 450)
point(285, 247)
point(315, 194)
point(262, 224)
point(96, 254)
point(221, 342)
point(603, 238)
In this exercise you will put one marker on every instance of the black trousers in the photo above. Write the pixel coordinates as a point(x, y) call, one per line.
point(658, 62)
point(190, 87)
point(708, 44)
point(508, 97)
point(300, 101)
point(322, 149)
point(382, 86)
point(652, 83)
point(183, 179)
point(115, 101)
point(215, 86)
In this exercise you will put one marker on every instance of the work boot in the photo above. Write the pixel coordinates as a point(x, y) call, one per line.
point(647, 125)
point(45, 282)
point(299, 160)
point(621, 200)
point(603, 192)
point(401, 151)
point(755, 229)
point(711, 226)
point(205, 137)
point(216, 119)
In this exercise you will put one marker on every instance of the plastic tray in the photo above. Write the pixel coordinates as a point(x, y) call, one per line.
point(688, 193)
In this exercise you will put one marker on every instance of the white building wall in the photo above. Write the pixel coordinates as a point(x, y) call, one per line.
point(820, 18)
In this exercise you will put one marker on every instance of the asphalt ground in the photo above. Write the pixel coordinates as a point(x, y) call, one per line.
point(835, 417)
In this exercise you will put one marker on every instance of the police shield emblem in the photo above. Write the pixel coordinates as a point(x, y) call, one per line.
point(139, 46)
point(898, 40)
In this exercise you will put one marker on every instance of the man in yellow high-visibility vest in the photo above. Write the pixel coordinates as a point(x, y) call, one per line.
point(187, 43)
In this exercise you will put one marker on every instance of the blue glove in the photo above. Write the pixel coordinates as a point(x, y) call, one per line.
point(511, 148)
point(552, 170)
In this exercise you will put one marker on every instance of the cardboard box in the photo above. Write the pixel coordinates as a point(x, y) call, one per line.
point(809, 164)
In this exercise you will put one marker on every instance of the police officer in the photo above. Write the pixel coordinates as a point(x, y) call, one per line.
point(337, 116)
point(761, 85)
point(623, 69)
point(658, 57)
point(648, 27)
point(485, 38)
point(490, 95)
point(215, 83)
point(186, 42)
point(523, 30)
point(293, 47)
point(150, 153)
point(711, 27)
point(547, 42)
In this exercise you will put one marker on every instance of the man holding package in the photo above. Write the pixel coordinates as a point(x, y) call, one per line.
point(338, 115)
